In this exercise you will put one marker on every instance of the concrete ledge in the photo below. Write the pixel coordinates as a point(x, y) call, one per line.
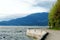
point(37, 33)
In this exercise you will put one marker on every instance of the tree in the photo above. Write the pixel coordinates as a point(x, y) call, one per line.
point(54, 15)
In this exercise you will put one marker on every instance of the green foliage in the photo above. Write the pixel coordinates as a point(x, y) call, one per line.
point(54, 16)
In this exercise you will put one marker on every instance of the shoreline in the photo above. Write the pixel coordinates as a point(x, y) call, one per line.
point(53, 34)
point(24, 26)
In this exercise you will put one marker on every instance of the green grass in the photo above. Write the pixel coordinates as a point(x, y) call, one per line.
point(55, 28)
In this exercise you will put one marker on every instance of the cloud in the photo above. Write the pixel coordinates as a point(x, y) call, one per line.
point(45, 3)
point(10, 9)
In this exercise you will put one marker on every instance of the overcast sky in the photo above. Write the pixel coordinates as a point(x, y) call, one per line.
point(10, 9)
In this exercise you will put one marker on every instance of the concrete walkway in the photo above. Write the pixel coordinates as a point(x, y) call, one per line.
point(53, 35)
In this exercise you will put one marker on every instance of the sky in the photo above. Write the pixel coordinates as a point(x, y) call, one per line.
point(11, 9)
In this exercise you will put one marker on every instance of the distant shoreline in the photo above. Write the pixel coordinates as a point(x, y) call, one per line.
point(24, 27)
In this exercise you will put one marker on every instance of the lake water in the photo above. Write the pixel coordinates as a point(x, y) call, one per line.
point(16, 32)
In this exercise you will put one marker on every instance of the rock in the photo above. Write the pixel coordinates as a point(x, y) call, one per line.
point(36, 33)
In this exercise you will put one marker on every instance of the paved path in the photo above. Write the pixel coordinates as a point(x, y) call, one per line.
point(53, 35)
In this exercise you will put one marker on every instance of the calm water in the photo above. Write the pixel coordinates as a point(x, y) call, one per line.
point(16, 32)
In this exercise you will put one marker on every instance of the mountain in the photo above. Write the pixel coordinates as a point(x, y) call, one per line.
point(36, 19)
